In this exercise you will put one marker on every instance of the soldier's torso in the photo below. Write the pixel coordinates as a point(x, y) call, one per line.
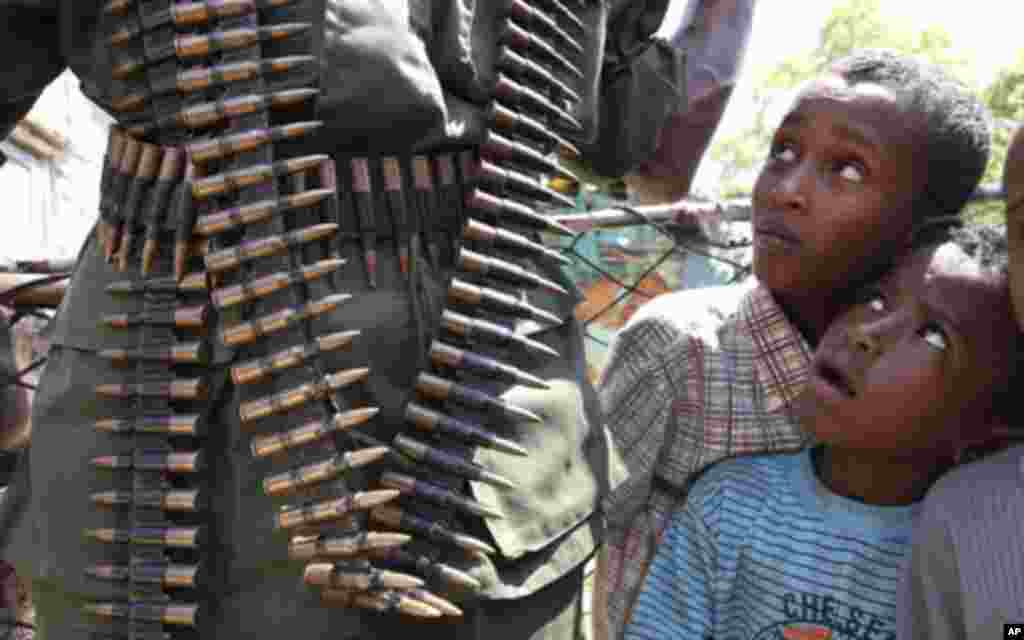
point(456, 355)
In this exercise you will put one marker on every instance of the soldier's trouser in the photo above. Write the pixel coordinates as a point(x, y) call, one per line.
point(274, 608)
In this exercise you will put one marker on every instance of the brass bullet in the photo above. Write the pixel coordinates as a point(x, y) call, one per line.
point(477, 231)
point(300, 395)
point(228, 219)
point(247, 332)
point(200, 78)
point(181, 389)
point(533, 16)
point(232, 257)
point(310, 547)
point(518, 212)
point(523, 67)
point(439, 603)
point(433, 569)
point(505, 118)
point(184, 215)
point(192, 283)
point(222, 183)
point(511, 92)
point(484, 265)
point(500, 179)
point(501, 148)
point(438, 388)
point(363, 197)
point(159, 202)
point(320, 512)
point(267, 285)
point(521, 39)
point(221, 147)
point(497, 301)
point(175, 614)
point(395, 517)
point(208, 114)
point(301, 477)
point(341, 576)
point(192, 14)
point(565, 14)
point(174, 462)
point(175, 537)
point(182, 353)
point(450, 462)
point(437, 495)
point(184, 501)
point(472, 329)
point(259, 368)
point(171, 424)
point(383, 601)
point(263, 446)
point(187, 46)
point(117, 7)
point(181, 318)
point(445, 355)
point(428, 420)
point(179, 576)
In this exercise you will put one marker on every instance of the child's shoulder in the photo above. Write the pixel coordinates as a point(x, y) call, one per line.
point(694, 312)
point(747, 478)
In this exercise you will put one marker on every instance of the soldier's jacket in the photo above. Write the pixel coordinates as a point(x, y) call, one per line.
point(396, 78)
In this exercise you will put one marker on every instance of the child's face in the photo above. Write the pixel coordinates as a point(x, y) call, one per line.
point(913, 366)
point(834, 199)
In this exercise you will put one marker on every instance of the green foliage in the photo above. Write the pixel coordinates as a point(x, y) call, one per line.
point(853, 25)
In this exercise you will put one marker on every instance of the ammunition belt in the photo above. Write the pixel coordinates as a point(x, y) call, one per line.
point(194, 77)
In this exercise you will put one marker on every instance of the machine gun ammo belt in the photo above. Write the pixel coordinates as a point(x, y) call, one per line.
point(224, 239)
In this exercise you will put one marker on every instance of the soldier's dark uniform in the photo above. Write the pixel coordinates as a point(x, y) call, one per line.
point(400, 83)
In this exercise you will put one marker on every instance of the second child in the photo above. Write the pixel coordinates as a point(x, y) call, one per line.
point(811, 545)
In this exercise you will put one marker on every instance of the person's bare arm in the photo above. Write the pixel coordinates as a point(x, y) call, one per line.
point(1013, 179)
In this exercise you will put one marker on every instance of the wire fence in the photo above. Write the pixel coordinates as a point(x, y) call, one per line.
point(625, 256)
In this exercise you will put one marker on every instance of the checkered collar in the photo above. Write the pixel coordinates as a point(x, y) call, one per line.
point(782, 357)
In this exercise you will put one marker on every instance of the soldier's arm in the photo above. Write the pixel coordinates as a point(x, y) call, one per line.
point(30, 57)
point(1013, 179)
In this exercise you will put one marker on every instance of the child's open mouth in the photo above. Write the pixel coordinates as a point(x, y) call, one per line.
point(832, 375)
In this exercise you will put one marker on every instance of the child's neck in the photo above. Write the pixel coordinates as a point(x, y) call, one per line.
point(874, 478)
point(810, 314)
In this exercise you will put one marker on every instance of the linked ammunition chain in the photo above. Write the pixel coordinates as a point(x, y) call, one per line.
point(492, 300)
point(214, 231)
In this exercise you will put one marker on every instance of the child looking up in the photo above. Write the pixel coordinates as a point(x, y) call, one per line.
point(879, 145)
point(811, 544)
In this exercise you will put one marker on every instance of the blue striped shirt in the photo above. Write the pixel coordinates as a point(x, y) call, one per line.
point(764, 551)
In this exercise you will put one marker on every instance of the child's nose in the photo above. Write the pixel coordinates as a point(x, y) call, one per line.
point(791, 189)
point(870, 337)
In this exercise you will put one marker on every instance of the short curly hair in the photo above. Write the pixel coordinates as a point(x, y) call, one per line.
point(957, 135)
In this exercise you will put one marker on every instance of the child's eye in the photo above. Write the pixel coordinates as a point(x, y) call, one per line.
point(873, 299)
point(851, 171)
point(935, 336)
point(782, 151)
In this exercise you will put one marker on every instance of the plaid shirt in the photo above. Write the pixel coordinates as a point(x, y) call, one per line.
point(695, 377)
